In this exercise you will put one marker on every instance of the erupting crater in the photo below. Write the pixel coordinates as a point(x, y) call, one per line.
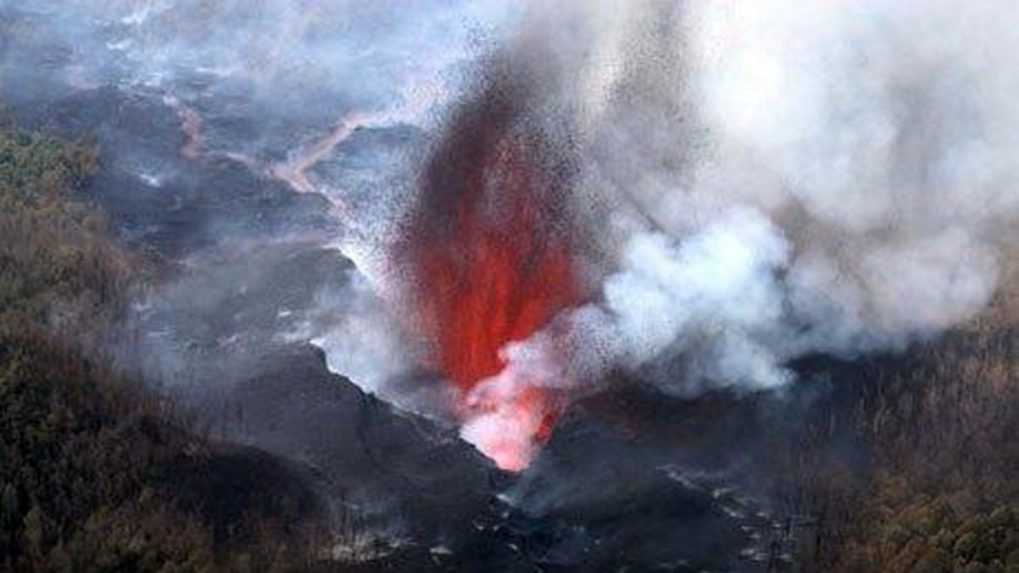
point(491, 257)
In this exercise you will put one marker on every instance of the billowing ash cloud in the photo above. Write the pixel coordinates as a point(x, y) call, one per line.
point(774, 180)
point(886, 126)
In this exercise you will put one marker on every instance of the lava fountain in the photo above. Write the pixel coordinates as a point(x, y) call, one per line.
point(490, 252)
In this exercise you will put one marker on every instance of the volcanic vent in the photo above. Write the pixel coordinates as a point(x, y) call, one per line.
point(491, 252)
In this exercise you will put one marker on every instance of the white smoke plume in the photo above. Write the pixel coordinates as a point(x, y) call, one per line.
point(375, 355)
point(794, 177)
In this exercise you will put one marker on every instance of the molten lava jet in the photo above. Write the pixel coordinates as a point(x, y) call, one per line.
point(490, 252)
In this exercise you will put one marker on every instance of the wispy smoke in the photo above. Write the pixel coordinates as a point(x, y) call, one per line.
point(326, 97)
point(277, 53)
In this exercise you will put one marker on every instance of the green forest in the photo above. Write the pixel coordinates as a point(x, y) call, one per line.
point(98, 473)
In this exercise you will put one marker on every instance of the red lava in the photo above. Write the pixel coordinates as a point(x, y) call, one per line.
point(490, 253)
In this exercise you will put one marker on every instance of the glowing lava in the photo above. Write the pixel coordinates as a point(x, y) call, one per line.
point(491, 256)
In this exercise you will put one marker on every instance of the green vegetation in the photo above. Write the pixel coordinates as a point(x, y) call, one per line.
point(938, 491)
point(57, 266)
point(96, 473)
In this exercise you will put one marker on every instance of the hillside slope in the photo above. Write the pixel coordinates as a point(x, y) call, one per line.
point(97, 473)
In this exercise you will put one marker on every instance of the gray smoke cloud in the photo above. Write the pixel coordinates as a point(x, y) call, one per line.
point(782, 178)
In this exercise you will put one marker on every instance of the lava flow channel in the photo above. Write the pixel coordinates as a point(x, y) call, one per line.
point(490, 252)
